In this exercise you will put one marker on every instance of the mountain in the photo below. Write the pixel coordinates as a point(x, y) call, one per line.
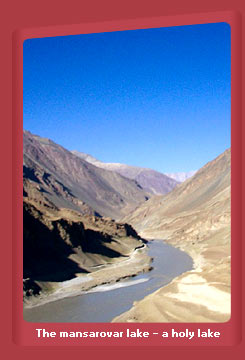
point(193, 195)
point(71, 182)
point(195, 217)
point(150, 180)
point(181, 176)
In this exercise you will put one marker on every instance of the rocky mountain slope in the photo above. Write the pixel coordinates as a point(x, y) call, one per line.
point(62, 244)
point(150, 180)
point(195, 217)
point(70, 182)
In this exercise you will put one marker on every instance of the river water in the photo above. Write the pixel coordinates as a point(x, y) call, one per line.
point(107, 301)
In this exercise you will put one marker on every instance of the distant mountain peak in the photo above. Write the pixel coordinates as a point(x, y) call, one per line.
point(181, 176)
point(86, 157)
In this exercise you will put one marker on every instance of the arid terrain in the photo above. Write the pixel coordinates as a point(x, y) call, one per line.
point(195, 217)
point(85, 224)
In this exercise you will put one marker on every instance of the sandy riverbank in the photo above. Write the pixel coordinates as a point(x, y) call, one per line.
point(199, 295)
point(195, 217)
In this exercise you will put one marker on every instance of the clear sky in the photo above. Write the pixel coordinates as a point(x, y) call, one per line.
point(157, 98)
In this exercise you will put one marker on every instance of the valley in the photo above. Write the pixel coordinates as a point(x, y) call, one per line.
point(89, 224)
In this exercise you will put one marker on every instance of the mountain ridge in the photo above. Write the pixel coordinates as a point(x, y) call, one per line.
point(178, 176)
point(66, 179)
point(151, 180)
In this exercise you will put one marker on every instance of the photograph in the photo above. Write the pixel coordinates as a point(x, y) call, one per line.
point(127, 176)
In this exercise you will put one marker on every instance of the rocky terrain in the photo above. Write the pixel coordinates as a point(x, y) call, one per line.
point(150, 180)
point(70, 236)
point(195, 217)
point(62, 244)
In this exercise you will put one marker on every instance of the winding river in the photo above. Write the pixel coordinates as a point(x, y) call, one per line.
point(105, 302)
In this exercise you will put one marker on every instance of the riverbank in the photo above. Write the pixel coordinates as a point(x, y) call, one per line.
point(136, 262)
point(199, 295)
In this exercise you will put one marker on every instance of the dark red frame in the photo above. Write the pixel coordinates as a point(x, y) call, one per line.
point(52, 20)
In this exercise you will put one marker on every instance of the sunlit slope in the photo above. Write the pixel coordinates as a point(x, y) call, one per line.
point(208, 188)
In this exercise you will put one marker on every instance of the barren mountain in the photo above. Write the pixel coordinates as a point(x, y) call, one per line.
point(195, 216)
point(70, 182)
point(150, 180)
point(192, 195)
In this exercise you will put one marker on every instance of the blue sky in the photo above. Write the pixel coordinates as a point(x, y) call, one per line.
point(157, 98)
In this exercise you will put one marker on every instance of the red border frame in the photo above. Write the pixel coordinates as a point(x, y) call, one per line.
point(23, 332)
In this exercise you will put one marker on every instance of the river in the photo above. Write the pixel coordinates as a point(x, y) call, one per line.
point(105, 302)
